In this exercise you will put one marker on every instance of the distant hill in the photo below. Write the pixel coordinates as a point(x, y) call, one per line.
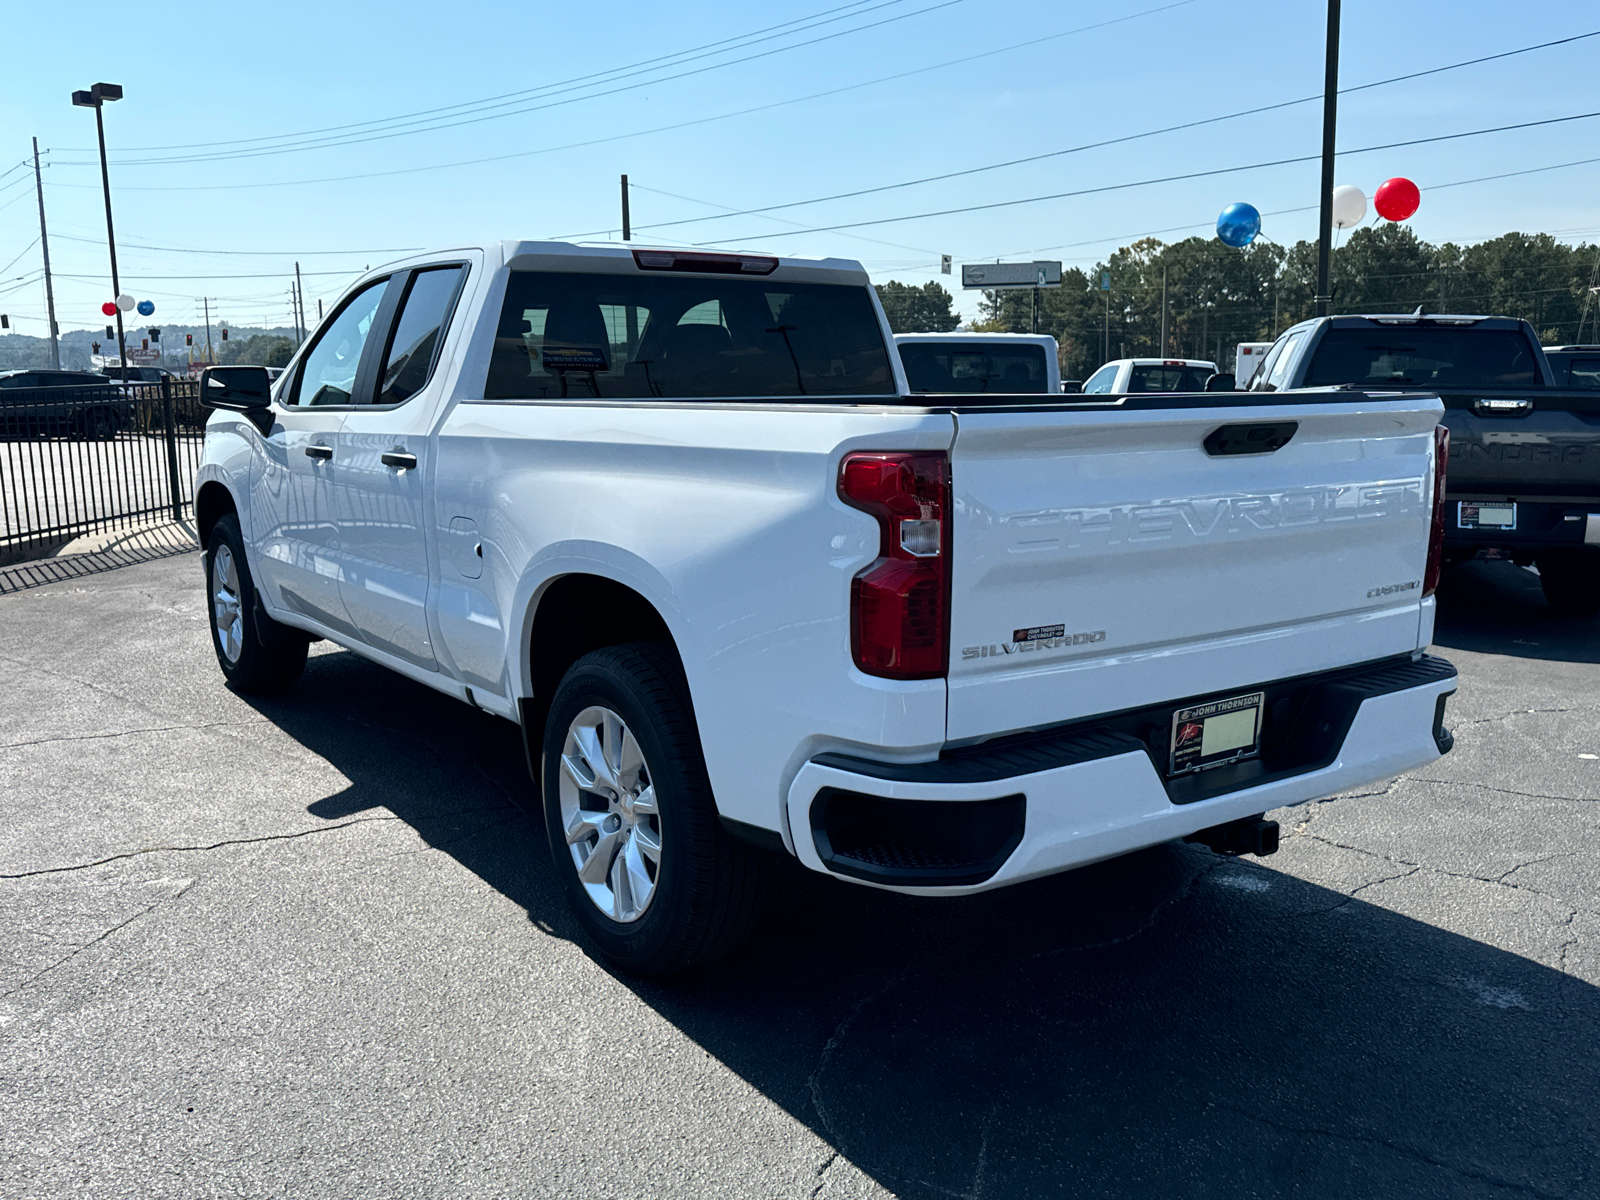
point(19, 350)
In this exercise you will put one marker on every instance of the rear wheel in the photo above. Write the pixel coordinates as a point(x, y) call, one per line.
point(1571, 580)
point(256, 653)
point(650, 873)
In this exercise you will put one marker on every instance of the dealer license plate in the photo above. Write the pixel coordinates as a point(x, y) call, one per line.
point(1486, 516)
point(1215, 734)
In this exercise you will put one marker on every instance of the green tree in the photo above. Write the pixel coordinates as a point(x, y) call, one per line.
point(911, 309)
point(261, 349)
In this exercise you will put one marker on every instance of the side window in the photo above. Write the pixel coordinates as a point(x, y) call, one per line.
point(328, 375)
point(1258, 381)
point(1102, 379)
point(1284, 367)
point(417, 333)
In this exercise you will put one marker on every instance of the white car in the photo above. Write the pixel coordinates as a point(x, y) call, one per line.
point(1128, 375)
point(959, 363)
point(678, 517)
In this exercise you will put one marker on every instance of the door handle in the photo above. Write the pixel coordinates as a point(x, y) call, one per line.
point(399, 458)
point(319, 451)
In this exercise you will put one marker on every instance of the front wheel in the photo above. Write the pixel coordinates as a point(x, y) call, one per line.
point(1571, 580)
point(256, 653)
point(650, 873)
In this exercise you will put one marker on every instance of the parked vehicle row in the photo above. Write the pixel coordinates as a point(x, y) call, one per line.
point(682, 518)
point(45, 403)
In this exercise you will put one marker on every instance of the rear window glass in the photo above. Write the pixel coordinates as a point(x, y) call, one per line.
point(974, 367)
point(1576, 372)
point(1169, 379)
point(1437, 357)
point(675, 336)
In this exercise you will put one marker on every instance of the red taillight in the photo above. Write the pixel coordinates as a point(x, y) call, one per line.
point(899, 605)
point(1441, 459)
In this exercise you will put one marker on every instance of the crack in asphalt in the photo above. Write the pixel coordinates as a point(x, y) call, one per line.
point(1488, 787)
point(1501, 880)
point(83, 683)
point(250, 841)
point(822, 1171)
point(270, 837)
point(1523, 712)
point(1412, 1152)
point(60, 962)
point(92, 737)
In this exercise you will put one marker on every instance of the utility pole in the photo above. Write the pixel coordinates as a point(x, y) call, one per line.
point(95, 98)
point(210, 358)
point(627, 228)
point(300, 293)
point(1105, 344)
point(1163, 353)
point(1330, 103)
point(44, 241)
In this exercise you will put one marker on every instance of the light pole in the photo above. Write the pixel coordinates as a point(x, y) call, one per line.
point(95, 98)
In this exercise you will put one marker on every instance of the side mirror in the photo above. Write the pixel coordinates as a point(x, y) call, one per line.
point(244, 390)
point(1221, 383)
point(1072, 387)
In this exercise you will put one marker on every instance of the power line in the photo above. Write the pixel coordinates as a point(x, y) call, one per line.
point(1118, 187)
point(269, 275)
point(597, 141)
point(542, 88)
point(24, 250)
point(260, 253)
point(1131, 137)
point(327, 143)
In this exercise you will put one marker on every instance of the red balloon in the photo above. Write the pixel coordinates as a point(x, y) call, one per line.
point(1397, 199)
point(109, 308)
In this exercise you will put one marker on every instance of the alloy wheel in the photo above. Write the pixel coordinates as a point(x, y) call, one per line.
point(609, 814)
point(226, 606)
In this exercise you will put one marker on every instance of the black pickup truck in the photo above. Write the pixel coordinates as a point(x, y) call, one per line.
point(1524, 475)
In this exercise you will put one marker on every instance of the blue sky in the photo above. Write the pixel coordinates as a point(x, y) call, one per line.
point(240, 77)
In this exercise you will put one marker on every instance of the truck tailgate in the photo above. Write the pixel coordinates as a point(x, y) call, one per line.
point(1524, 442)
point(1103, 558)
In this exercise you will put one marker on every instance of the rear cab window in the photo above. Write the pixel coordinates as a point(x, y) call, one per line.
point(974, 367)
point(1165, 377)
point(1424, 356)
point(617, 336)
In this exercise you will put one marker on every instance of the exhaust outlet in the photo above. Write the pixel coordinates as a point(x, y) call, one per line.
point(1248, 835)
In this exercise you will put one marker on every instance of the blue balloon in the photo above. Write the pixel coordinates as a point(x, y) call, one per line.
point(146, 307)
point(1238, 224)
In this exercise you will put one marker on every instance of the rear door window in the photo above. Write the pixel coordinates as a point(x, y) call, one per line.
point(1275, 374)
point(1584, 373)
point(414, 345)
point(671, 336)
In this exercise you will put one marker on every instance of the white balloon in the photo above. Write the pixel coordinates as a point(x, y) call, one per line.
point(126, 302)
point(1349, 206)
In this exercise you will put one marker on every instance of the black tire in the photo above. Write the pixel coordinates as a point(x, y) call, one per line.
point(256, 653)
point(1571, 580)
point(709, 889)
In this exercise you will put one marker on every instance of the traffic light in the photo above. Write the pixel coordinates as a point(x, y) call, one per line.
point(5, 321)
point(224, 333)
point(155, 335)
point(144, 343)
point(188, 339)
point(110, 333)
point(94, 347)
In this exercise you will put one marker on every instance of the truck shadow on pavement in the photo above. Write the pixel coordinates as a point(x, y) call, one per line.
point(1499, 608)
point(1168, 1024)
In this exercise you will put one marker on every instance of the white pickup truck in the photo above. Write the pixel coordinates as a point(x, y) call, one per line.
point(677, 515)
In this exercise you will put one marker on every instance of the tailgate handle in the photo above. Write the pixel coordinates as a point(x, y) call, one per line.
point(1502, 408)
point(1250, 439)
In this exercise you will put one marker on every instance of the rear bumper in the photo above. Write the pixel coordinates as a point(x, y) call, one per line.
point(1541, 525)
point(1094, 792)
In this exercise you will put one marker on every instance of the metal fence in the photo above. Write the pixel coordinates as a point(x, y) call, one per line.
point(78, 460)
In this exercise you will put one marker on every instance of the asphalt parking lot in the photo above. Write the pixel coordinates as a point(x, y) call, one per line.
point(313, 947)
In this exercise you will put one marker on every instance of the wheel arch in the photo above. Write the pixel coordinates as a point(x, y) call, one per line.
point(571, 615)
point(212, 501)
